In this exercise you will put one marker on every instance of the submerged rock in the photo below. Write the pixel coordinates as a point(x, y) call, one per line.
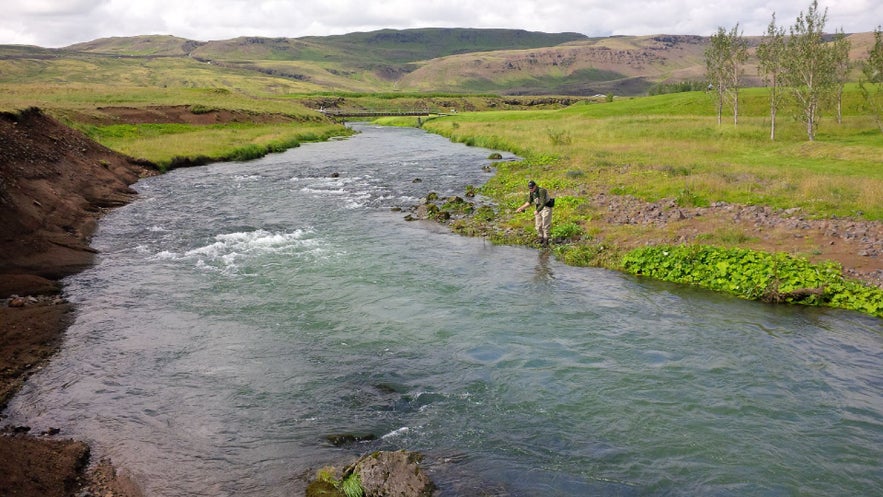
point(393, 474)
point(342, 439)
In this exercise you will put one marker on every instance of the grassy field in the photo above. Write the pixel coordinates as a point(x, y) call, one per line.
point(670, 146)
point(167, 144)
point(164, 143)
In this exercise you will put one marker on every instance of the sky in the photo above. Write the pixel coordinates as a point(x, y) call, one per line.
point(59, 23)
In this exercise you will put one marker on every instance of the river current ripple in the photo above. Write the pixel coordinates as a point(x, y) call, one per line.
point(241, 312)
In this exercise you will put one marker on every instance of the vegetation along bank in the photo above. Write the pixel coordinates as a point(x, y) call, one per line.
point(655, 187)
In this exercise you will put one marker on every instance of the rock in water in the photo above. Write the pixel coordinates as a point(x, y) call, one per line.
point(380, 474)
point(393, 474)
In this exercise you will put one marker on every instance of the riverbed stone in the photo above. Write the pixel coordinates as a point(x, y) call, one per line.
point(393, 474)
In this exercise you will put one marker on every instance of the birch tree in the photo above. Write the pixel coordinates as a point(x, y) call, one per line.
point(809, 67)
point(840, 60)
point(724, 58)
point(771, 53)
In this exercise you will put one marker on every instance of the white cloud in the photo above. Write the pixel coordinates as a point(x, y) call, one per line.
point(53, 23)
point(53, 7)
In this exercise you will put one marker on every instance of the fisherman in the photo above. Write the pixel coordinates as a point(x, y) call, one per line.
point(542, 216)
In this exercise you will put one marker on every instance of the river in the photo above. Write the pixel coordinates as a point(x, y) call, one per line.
point(240, 313)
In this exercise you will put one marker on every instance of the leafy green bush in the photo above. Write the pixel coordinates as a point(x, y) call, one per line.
point(755, 275)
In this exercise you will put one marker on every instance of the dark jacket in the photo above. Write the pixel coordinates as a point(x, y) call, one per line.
point(539, 198)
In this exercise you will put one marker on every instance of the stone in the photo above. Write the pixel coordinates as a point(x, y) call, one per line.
point(343, 439)
point(393, 474)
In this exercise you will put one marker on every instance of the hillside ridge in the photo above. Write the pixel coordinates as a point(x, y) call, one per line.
point(455, 60)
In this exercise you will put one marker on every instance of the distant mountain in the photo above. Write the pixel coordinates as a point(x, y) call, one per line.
point(621, 65)
point(453, 60)
point(153, 45)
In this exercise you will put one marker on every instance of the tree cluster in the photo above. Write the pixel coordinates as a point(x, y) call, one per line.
point(807, 65)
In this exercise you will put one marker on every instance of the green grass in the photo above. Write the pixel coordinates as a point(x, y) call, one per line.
point(164, 144)
point(76, 90)
point(632, 146)
point(154, 75)
point(59, 99)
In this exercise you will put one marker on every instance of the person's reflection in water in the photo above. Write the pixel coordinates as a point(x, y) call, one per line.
point(542, 271)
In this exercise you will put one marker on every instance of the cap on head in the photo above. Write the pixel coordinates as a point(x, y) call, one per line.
point(531, 184)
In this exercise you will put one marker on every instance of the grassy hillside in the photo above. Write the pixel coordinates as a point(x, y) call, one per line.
point(622, 65)
point(147, 72)
point(505, 62)
point(406, 46)
point(391, 47)
point(154, 45)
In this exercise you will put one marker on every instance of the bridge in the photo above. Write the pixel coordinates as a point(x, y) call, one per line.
point(380, 113)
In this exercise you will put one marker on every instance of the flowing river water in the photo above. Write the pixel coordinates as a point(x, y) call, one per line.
point(240, 313)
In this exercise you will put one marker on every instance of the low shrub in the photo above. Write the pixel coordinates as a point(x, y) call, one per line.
point(755, 275)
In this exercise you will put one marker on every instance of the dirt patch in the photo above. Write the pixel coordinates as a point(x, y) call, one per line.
point(41, 466)
point(54, 184)
point(30, 336)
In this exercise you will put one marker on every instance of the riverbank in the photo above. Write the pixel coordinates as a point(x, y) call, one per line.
point(55, 184)
point(670, 179)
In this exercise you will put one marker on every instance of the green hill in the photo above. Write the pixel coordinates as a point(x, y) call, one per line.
point(621, 65)
point(468, 61)
point(152, 45)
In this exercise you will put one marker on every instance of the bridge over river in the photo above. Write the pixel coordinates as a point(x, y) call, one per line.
point(380, 113)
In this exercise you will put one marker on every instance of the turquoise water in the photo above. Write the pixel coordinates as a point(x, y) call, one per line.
point(240, 313)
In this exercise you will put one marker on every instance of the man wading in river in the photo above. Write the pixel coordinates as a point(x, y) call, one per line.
point(542, 217)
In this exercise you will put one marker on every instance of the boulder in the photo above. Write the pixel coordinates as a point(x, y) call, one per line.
point(393, 474)
point(379, 474)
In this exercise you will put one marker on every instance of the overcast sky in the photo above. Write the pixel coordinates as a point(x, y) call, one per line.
point(58, 23)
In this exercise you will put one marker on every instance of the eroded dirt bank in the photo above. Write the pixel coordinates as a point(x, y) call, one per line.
point(54, 185)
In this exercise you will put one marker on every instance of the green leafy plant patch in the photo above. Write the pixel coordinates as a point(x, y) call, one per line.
point(755, 275)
